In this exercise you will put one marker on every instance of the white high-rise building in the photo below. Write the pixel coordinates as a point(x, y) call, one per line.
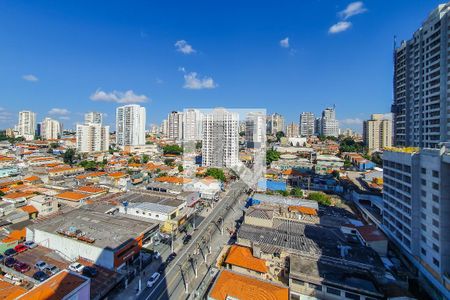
point(307, 124)
point(27, 124)
point(220, 142)
point(255, 130)
point(175, 125)
point(165, 128)
point(421, 84)
point(329, 126)
point(92, 137)
point(51, 129)
point(275, 123)
point(93, 117)
point(130, 125)
point(192, 125)
point(416, 210)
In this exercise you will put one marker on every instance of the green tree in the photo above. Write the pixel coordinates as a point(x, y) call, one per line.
point(69, 156)
point(216, 173)
point(279, 135)
point(2, 194)
point(283, 193)
point(198, 145)
point(272, 155)
point(349, 145)
point(180, 168)
point(296, 192)
point(172, 149)
point(89, 165)
point(168, 162)
point(242, 133)
point(145, 158)
point(53, 145)
point(320, 197)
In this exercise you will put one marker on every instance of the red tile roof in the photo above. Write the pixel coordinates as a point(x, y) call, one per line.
point(242, 257)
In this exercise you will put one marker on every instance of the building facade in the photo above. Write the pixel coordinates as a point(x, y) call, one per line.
point(130, 125)
point(92, 137)
point(93, 117)
point(220, 142)
point(421, 81)
point(307, 124)
point(192, 125)
point(329, 126)
point(175, 125)
point(377, 132)
point(275, 123)
point(255, 130)
point(292, 130)
point(27, 124)
point(416, 206)
point(51, 129)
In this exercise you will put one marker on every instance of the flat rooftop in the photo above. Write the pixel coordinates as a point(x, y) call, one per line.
point(148, 198)
point(320, 272)
point(288, 201)
point(106, 230)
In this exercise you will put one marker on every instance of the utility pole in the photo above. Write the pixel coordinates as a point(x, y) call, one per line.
point(171, 242)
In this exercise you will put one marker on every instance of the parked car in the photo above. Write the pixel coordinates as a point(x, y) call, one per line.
point(76, 267)
point(10, 252)
point(156, 255)
point(162, 267)
point(89, 271)
point(40, 276)
point(51, 270)
point(10, 261)
point(186, 239)
point(40, 265)
point(21, 267)
point(30, 244)
point(153, 279)
point(20, 248)
point(171, 257)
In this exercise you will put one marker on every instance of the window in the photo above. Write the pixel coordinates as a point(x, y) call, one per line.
point(424, 194)
point(423, 227)
point(436, 248)
point(435, 235)
point(435, 174)
point(436, 198)
point(295, 297)
point(317, 287)
point(435, 210)
point(423, 171)
point(424, 204)
point(423, 251)
point(424, 216)
point(436, 262)
point(351, 296)
point(424, 239)
point(435, 223)
point(436, 186)
point(423, 181)
point(333, 291)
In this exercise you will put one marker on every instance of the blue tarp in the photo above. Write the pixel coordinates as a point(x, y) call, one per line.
point(272, 185)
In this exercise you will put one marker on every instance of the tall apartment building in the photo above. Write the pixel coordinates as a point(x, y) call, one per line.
point(275, 123)
point(93, 117)
point(27, 124)
point(421, 104)
point(175, 125)
point(220, 142)
point(192, 125)
point(307, 124)
point(130, 125)
point(50, 129)
point(377, 132)
point(416, 210)
point(255, 130)
point(292, 130)
point(329, 126)
point(92, 137)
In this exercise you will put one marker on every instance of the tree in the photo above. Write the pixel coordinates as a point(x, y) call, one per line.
point(347, 163)
point(145, 158)
point(180, 168)
point(68, 156)
point(2, 194)
point(272, 155)
point(242, 133)
point(283, 193)
point(172, 149)
point(168, 162)
point(296, 192)
point(216, 173)
point(321, 198)
point(149, 143)
point(54, 145)
point(198, 145)
point(349, 145)
point(376, 158)
point(89, 165)
point(279, 135)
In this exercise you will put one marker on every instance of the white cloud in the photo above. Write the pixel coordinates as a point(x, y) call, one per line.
point(351, 121)
point(64, 118)
point(30, 77)
point(59, 111)
point(284, 42)
point(339, 27)
point(353, 9)
point(118, 97)
point(159, 81)
point(183, 47)
point(193, 83)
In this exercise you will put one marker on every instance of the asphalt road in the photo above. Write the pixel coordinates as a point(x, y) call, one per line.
point(172, 281)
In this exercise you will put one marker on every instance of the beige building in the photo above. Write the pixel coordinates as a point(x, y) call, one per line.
point(292, 130)
point(377, 132)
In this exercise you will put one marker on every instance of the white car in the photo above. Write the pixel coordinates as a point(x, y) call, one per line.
point(76, 267)
point(153, 279)
point(156, 255)
point(40, 265)
point(30, 244)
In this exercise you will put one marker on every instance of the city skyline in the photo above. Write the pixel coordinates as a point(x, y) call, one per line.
point(199, 69)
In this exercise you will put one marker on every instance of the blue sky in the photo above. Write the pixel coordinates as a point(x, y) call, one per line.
point(62, 58)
